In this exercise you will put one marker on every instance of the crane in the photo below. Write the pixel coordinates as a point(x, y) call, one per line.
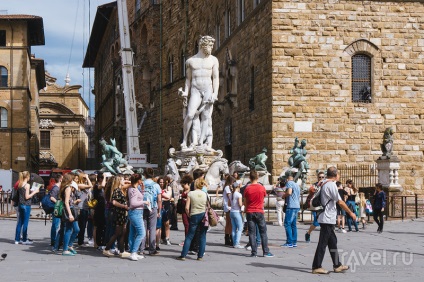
point(134, 157)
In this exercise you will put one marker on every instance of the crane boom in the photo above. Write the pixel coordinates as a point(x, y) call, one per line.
point(133, 147)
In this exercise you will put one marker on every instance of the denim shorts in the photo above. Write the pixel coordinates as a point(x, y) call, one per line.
point(341, 211)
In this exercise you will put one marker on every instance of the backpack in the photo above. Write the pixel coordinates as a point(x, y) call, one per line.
point(15, 197)
point(316, 203)
point(368, 207)
point(47, 204)
point(58, 208)
point(307, 203)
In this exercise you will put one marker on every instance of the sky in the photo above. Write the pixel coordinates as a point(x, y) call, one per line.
point(67, 28)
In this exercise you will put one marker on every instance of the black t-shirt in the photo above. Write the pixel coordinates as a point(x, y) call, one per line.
point(342, 193)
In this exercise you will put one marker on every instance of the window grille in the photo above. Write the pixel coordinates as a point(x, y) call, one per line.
point(45, 139)
point(4, 76)
point(361, 79)
point(3, 113)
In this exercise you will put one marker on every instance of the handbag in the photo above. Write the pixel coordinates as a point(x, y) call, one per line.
point(211, 218)
point(65, 215)
point(180, 206)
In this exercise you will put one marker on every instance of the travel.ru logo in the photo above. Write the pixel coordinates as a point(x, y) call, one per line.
point(376, 259)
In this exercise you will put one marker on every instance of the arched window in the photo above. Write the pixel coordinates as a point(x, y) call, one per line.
point(182, 64)
point(3, 113)
point(217, 33)
point(361, 78)
point(170, 69)
point(256, 3)
point(4, 76)
point(240, 8)
point(227, 23)
point(137, 8)
point(252, 89)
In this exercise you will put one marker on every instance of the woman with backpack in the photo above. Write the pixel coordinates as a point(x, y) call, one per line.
point(67, 194)
point(24, 207)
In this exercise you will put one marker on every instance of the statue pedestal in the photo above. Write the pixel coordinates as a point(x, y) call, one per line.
point(197, 157)
point(388, 176)
point(388, 173)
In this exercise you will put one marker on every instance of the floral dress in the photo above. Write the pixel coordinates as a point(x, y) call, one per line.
point(120, 213)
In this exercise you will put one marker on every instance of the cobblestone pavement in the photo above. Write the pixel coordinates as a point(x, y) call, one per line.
point(395, 255)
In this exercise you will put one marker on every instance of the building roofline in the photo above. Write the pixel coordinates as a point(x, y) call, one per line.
point(98, 30)
point(35, 27)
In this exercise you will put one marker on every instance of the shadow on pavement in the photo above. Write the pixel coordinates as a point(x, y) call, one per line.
point(279, 266)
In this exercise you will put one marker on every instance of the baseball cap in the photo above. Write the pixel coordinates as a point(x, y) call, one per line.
point(74, 184)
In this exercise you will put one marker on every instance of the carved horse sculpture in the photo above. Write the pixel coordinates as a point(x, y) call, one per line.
point(192, 165)
point(172, 169)
point(216, 168)
point(237, 166)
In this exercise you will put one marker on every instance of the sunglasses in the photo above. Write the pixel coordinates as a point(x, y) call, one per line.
point(321, 177)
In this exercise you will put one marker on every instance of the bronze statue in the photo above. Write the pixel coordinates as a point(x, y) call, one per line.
point(258, 162)
point(112, 159)
point(298, 160)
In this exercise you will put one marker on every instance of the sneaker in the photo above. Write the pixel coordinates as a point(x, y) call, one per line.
point(90, 242)
point(108, 253)
point(27, 242)
point(294, 245)
point(307, 237)
point(268, 255)
point(343, 231)
point(180, 258)
point(319, 271)
point(249, 248)
point(168, 243)
point(133, 257)
point(286, 245)
point(238, 247)
point(68, 253)
point(341, 268)
point(73, 251)
point(124, 255)
point(139, 257)
point(154, 253)
point(100, 248)
point(192, 253)
point(157, 248)
point(252, 256)
point(18, 242)
point(199, 259)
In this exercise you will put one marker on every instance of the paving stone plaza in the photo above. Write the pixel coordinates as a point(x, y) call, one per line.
point(395, 255)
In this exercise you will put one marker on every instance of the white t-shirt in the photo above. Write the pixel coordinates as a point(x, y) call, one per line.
point(227, 202)
point(329, 197)
point(235, 206)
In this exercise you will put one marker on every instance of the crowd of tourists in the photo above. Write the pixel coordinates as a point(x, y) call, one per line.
point(130, 216)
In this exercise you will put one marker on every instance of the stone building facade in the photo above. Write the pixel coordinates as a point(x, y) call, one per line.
point(334, 72)
point(22, 75)
point(63, 114)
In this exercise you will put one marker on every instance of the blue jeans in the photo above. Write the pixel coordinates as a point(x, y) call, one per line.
point(290, 225)
point(257, 220)
point(71, 233)
point(60, 235)
point(237, 227)
point(314, 215)
point(55, 229)
point(352, 207)
point(137, 231)
point(24, 214)
point(195, 221)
